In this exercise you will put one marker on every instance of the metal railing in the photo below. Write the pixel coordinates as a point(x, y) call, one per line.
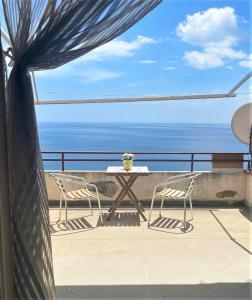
point(63, 157)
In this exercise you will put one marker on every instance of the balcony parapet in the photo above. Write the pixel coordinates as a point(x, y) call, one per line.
point(212, 188)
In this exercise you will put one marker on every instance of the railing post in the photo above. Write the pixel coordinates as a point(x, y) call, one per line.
point(62, 161)
point(192, 162)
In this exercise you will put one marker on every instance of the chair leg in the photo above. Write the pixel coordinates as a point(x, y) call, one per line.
point(90, 206)
point(161, 207)
point(151, 208)
point(100, 210)
point(60, 208)
point(184, 213)
point(66, 212)
point(190, 200)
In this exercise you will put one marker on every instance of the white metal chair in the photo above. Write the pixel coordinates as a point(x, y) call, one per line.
point(166, 190)
point(82, 191)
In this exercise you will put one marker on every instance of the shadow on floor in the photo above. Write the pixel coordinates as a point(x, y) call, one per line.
point(247, 212)
point(73, 226)
point(217, 291)
point(127, 219)
point(170, 225)
point(229, 235)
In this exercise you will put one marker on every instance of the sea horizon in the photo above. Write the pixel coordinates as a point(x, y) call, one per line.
point(116, 122)
point(136, 137)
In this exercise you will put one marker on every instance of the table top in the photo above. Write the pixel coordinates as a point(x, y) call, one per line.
point(114, 170)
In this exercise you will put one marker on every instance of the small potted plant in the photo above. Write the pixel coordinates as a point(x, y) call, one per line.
point(128, 160)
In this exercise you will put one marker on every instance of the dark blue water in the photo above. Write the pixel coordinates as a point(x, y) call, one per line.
point(136, 138)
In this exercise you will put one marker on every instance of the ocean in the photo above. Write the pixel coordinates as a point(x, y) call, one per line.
point(136, 138)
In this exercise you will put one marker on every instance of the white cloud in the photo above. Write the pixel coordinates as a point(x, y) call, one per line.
point(75, 70)
point(99, 74)
point(112, 50)
point(215, 26)
point(118, 49)
point(212, 57)
point(203, 60)
point(247, 63)
point(170, 68)
point(57, 73)
point(226, 52)
point(216, 32)
point(147, 61)
point(89, 75)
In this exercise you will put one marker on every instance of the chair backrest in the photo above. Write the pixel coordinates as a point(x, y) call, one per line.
point(61, 179)
point(189, 177)
point(58, 182)
point(192, 179)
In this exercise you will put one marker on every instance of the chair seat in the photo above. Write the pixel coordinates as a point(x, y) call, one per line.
point(171, 193)
point(80, 194)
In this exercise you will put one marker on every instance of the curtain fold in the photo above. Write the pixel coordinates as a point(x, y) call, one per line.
point(6, 278)
point(46, 34)
point(33, 272)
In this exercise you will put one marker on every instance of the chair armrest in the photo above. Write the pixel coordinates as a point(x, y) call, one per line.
point(92, 186)
point(159, 185)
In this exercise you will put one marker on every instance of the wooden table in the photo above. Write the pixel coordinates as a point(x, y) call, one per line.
point(126, 179)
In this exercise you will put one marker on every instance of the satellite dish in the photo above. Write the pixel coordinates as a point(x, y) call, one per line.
point(242, 122)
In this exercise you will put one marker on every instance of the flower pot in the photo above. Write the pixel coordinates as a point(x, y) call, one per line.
point(127, 164)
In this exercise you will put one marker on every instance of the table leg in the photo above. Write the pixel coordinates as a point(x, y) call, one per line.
point(126, 190)
point(136, 200)
point(115, 206)
point(137, 206)
point(129, 192)
point(120, 197)
point(114, 203)
point(126, 183)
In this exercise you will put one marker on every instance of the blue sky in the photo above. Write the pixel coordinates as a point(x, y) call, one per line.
point(181, 47)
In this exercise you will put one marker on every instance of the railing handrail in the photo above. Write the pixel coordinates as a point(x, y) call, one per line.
point(136, 152)
point(192, 159)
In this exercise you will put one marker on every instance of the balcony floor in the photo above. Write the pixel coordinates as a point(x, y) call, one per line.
point(125, 259)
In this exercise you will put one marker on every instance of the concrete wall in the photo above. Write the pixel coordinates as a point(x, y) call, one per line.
point(210, 188)
point(249, 190)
